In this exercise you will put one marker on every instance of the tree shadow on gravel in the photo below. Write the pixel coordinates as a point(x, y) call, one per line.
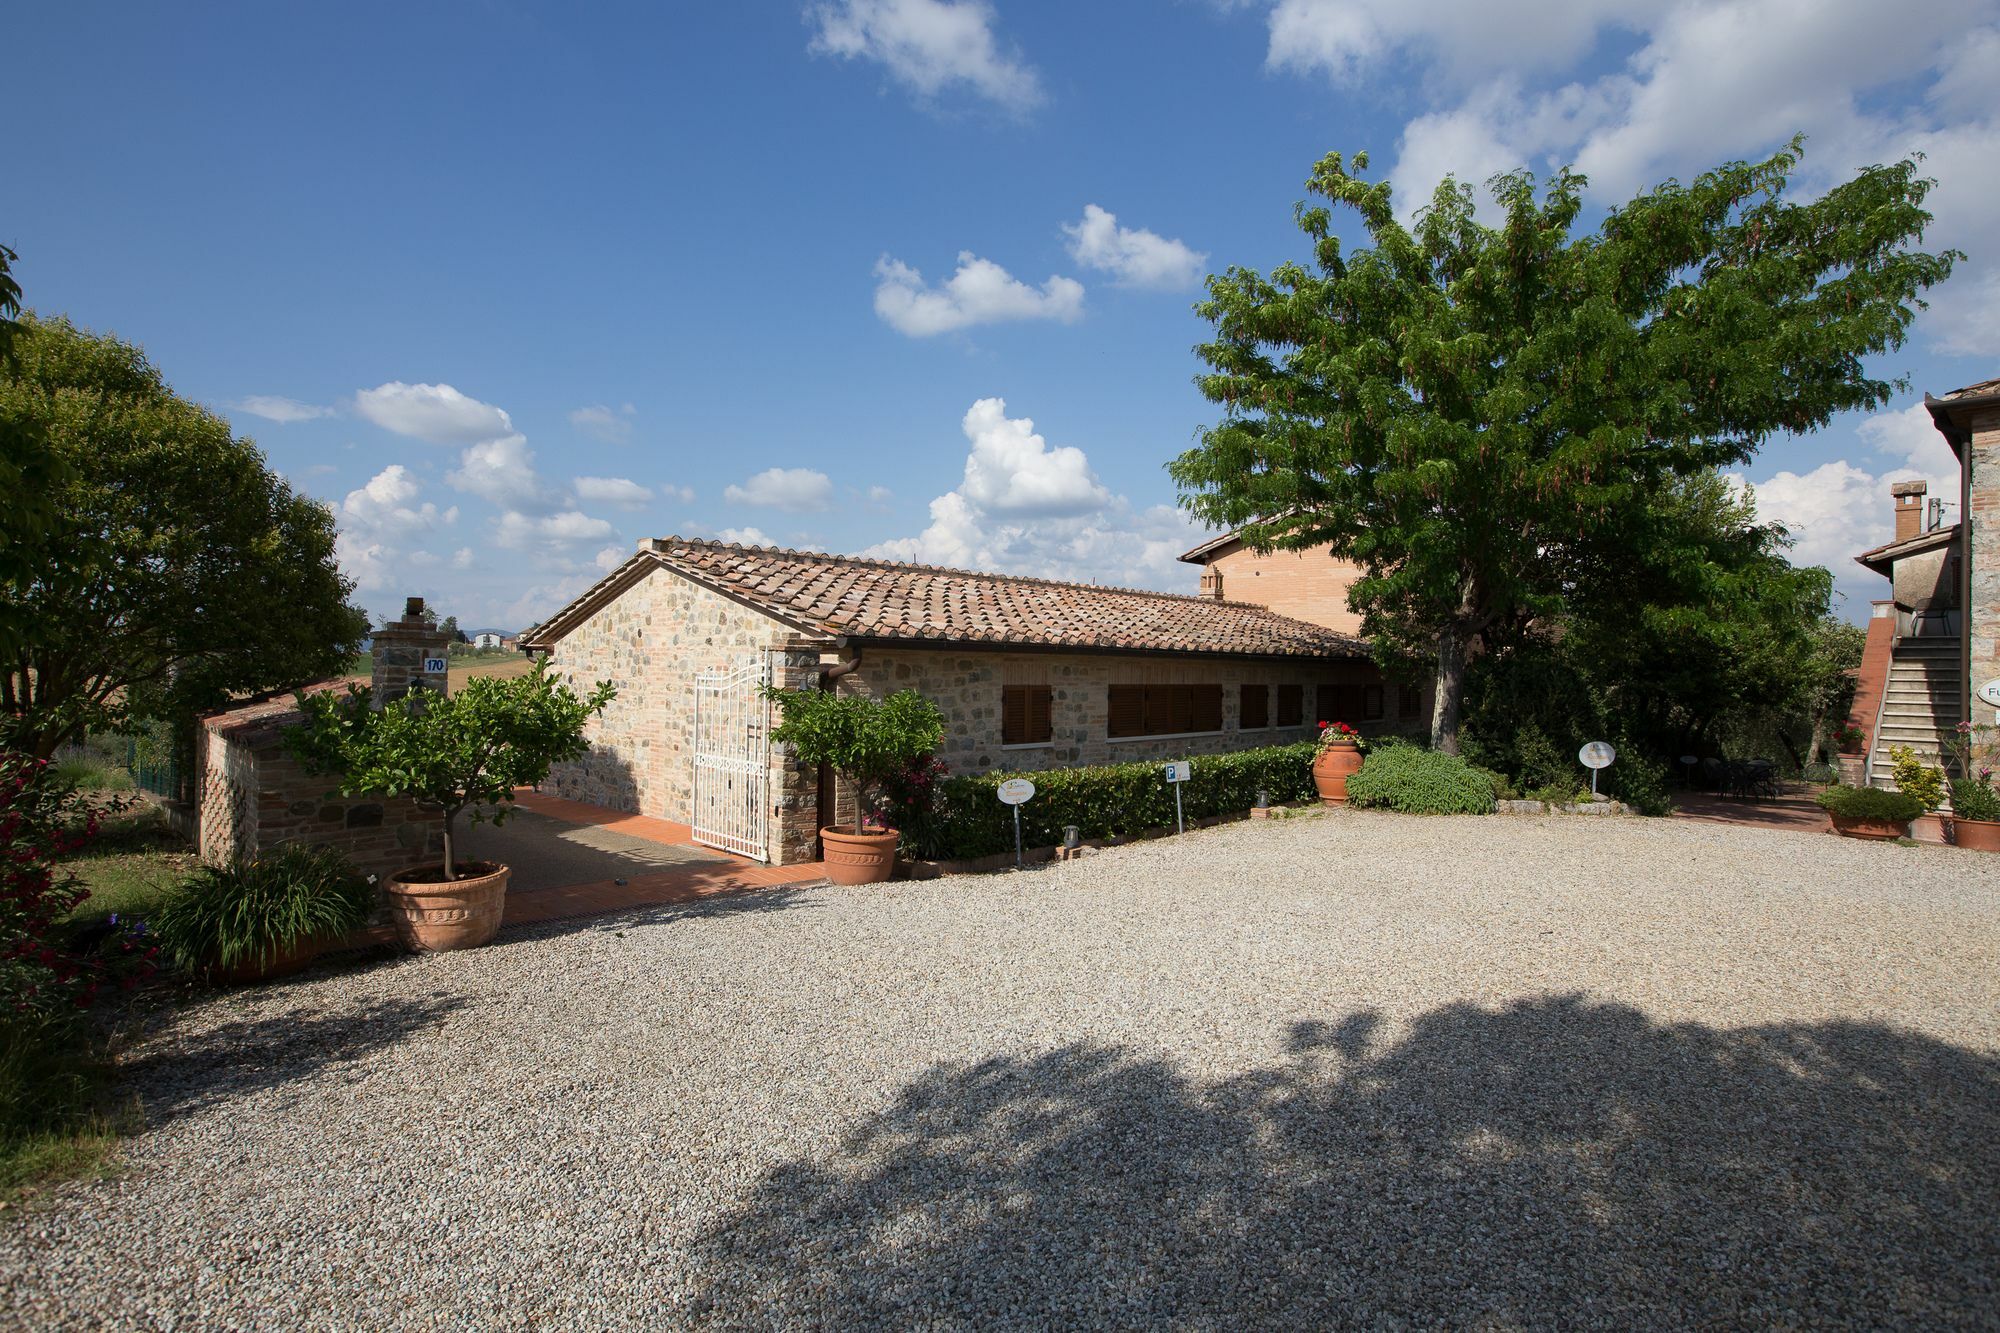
point(1559, 1162)
point(180, 1075)
point(741, 902)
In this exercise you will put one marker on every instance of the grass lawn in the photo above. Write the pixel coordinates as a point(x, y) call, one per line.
point(132, 864)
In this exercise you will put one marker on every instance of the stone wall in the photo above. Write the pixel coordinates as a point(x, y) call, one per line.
point(650, 641)
point(255, 798)
point(1305, 585)
point(1981, 508)
point(966, 687)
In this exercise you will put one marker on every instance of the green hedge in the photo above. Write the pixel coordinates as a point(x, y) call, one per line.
point(968, 820)
point(1420, 782)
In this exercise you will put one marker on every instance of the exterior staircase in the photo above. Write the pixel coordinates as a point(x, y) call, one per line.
point(1920, 704)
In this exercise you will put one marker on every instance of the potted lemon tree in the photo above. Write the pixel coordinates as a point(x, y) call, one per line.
point(865, 741)
point(462, 755)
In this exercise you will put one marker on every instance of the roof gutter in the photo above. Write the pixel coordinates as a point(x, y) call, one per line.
point(1942, 412)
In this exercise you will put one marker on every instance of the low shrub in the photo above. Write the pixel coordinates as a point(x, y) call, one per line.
point(1503, 790)
point(248, 912)
point(1640, 781)
point(1870, 803)
point(967, 820)
point(1556, 793)
point(1917, 778)
point(1820, 775)
point(1420, 782)
point(1975, 800)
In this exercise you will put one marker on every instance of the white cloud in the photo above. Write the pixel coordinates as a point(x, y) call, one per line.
point(503, 472)
point(611, 425)
point(550, 532)
point(1026, 509)
point(1011, 469)
point(880, 494)
point(434, 412)
point(794, 488)
point(745, 536)
point(1842, 508)
point(1347, 39)
point(930, 46)
point(610, 558)
point(271, 407)
point(980, 292)
point(614, 491)
point(463, 558)
point(377, 522)
point(1139, 258)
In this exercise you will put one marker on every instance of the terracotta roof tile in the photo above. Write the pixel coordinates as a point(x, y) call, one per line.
point(1979, 390)
point(856, 597)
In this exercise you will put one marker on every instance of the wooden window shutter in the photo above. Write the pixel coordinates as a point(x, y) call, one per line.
point(1012, 708)
point(1126, 714)
point(1026, 714)
point(1207, 707)
point(1253, 707)
point(1291, 705)
point(1409, 700)
point(1371, 702)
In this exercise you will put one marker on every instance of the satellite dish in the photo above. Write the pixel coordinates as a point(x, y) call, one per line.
point(1597, 754)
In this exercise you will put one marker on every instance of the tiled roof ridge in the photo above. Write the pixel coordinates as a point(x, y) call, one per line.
point(913, 567)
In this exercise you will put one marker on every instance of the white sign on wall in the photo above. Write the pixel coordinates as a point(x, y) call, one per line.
point(436, 666)
point(1990, 693)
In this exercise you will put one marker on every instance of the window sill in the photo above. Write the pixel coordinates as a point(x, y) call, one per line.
point(1164, 736)
point(1031, 745)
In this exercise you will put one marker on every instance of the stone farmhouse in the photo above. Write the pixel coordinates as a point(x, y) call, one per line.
point(1934, 642)
point(1030, 674)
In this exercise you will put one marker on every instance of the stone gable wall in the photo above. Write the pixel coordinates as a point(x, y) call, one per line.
point(650, 641)
point(1980, 502)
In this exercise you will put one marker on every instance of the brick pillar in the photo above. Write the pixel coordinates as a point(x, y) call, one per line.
point(1909, 500)
point(400, 651)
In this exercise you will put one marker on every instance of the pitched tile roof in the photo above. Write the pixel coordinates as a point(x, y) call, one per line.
point(1980, 390)
point(860, 598)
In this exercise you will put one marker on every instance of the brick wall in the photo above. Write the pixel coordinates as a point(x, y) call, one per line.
point(255, 797)
point(1306, 585)
point(1872, 677)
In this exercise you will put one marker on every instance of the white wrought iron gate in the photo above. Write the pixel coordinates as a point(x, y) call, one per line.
point(732, 758)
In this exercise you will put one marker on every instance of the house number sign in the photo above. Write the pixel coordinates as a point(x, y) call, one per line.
point(436, 666)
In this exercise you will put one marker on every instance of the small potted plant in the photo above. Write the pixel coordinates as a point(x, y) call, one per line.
point(1975, 813)
point(1869, 812)
point(1926, 783)
point(1337, 759)
point(866, 741)
point(457, 754)
point(263, 919)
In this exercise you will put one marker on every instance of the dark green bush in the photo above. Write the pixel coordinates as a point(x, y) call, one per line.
point(1640, 781)
point(1420, 782)
point(1871, 803)
point(967, 820)
point(1975, 800)
point(225, 915)
point(1503, 790)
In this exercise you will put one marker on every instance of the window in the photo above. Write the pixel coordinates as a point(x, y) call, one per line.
point(1253, 707)
point(1163, 710)
point(1025, 712)
point(1291, 705)
point(1409, 700)
point(1371, 702)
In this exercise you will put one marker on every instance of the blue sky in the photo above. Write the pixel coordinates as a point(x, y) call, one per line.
point(511, 287)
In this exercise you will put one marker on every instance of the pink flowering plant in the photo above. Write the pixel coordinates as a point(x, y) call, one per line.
point(1339, 733)
point(1972, 794)
point(43, 964)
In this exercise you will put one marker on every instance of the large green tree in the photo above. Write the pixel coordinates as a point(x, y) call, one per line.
point(179, 569)
point(1464, 409)
point(29, 473)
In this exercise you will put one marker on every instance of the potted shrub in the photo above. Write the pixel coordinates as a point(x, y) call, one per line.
point(1926, 783)
point(462, 753)
point(1870, 812)
point(866, 741)
point(262, 919)
point(1975, 813)
point(1337, 758)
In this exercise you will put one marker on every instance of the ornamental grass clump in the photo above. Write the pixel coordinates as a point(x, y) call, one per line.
point(250, 913)
point(1420, 782)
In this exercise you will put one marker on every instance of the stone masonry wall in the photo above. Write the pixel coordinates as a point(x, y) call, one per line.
point(966, 687)
point(651, 641)
point(1981, 508)
point(255, 797)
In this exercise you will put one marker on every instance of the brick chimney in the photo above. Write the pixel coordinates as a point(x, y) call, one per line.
point(402, 650)
point(1909, 498)
point(1211, 582)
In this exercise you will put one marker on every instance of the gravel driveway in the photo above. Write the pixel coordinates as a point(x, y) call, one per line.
point(1360, 1069)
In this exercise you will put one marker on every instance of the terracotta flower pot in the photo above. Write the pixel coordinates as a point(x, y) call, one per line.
point(1332, 766)
point(434, 914)
point(1872, 830)
point(1979, 835)
point(858, 858)
point(1929, 827)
